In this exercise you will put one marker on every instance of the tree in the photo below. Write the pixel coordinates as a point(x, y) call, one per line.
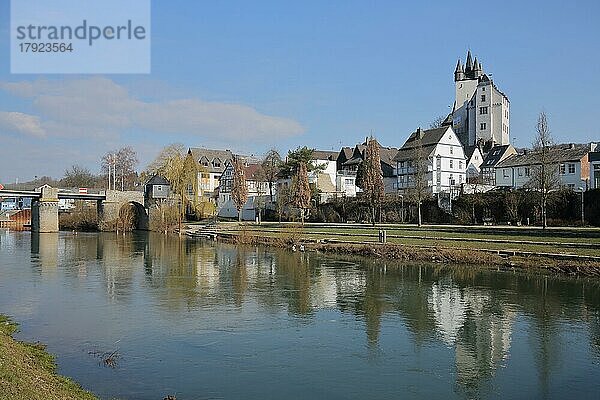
point(360, 176)
point(270, 169)
point(239, 189)
point(78, 176)
point(544, 171)
point(437, 122)
point(302, 155)
point(373, 189)
point(181, 170)
point(301, 190)
point(419, 191)
point(118, 166)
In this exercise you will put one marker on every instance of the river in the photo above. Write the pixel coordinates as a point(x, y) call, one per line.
point(208, 321)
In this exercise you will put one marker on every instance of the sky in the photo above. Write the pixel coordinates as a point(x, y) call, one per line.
point(250, 76)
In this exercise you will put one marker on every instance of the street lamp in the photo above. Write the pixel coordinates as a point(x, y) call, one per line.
point(402, 205)
point(582, 206)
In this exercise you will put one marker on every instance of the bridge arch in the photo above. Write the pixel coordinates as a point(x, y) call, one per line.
point(132, 216)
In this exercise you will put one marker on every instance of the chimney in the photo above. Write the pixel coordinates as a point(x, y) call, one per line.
point(571, 146)
point(593, 146)
point(420, 133)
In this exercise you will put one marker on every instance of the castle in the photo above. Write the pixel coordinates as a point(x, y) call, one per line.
point(481, 113)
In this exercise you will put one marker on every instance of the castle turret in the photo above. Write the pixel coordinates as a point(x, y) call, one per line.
point(477, 72)
point(459, 73)
point(469, 63)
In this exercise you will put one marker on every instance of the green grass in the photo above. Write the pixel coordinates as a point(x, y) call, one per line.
point(519, 239)
point(28, 372)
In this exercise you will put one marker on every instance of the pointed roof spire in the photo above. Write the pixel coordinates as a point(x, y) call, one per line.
point(458, 66)
point(469, 64)
point(476, 64)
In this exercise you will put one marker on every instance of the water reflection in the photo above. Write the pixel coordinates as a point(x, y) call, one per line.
point(478, 323)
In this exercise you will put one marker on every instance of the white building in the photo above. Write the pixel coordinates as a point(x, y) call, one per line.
point(481, 112)
point(348, 161)
point(325, 177)
point(445, 158)
point(258, 193)
point(594, 160)
point(571, 159)
point(474, 161)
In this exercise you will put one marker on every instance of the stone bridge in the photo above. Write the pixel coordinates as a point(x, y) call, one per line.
point(44, 207)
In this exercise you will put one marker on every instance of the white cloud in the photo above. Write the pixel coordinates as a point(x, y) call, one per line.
point(100, 108)
point(22, 123)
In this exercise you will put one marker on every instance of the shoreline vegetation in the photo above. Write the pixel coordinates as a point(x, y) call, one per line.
point(28, 372)
point(560, 251)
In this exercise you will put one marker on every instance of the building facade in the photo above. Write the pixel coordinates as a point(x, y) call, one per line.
point(481, 114)
point(570, 160)
point(212, 164)
point(444, 156)
point(594, 160)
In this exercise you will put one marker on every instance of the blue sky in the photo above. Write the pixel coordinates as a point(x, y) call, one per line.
point(322, 74)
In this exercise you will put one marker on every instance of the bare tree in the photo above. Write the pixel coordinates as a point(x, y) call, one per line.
point(78, 176)
point(437, 122)
point(301, 190)
point(544, 170)
point(239, 189)
point(372, 179)
point(270, 169)
point(119, 168)
point(419, 164)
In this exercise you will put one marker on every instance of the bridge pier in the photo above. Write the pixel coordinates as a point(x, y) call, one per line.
point(44, 211)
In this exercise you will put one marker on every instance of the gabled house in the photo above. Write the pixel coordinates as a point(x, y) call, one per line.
point(346, 178)
point(444, 156)
point(571, 160)
point(213, 163)
point(474, 161)
point(492, 158)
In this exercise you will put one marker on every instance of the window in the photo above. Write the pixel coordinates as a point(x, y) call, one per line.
point(527, 171)
point(401, 164)
point(562, 169)
point(451, 164)
point(460, 165)
point(451, 150)
point(482, 126)
point(216, 164)
point(451, 180)
point(483, 89)
point(571, 186)
point(571, 168)
point(519, 171)
point(505, 173)
point(483, 97)
point(483, 110)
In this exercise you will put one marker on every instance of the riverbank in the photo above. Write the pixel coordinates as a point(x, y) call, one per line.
point(28, 372)
point(567, 251)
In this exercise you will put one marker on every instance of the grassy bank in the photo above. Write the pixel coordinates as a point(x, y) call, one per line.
point(566, 251)
point(28, 372)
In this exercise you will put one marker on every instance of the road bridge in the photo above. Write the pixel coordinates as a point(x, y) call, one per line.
point(44, 207)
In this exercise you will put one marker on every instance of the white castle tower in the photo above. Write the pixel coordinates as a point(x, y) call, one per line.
point(481, 113)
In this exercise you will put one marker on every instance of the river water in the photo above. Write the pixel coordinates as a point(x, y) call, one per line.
point(209, 321)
